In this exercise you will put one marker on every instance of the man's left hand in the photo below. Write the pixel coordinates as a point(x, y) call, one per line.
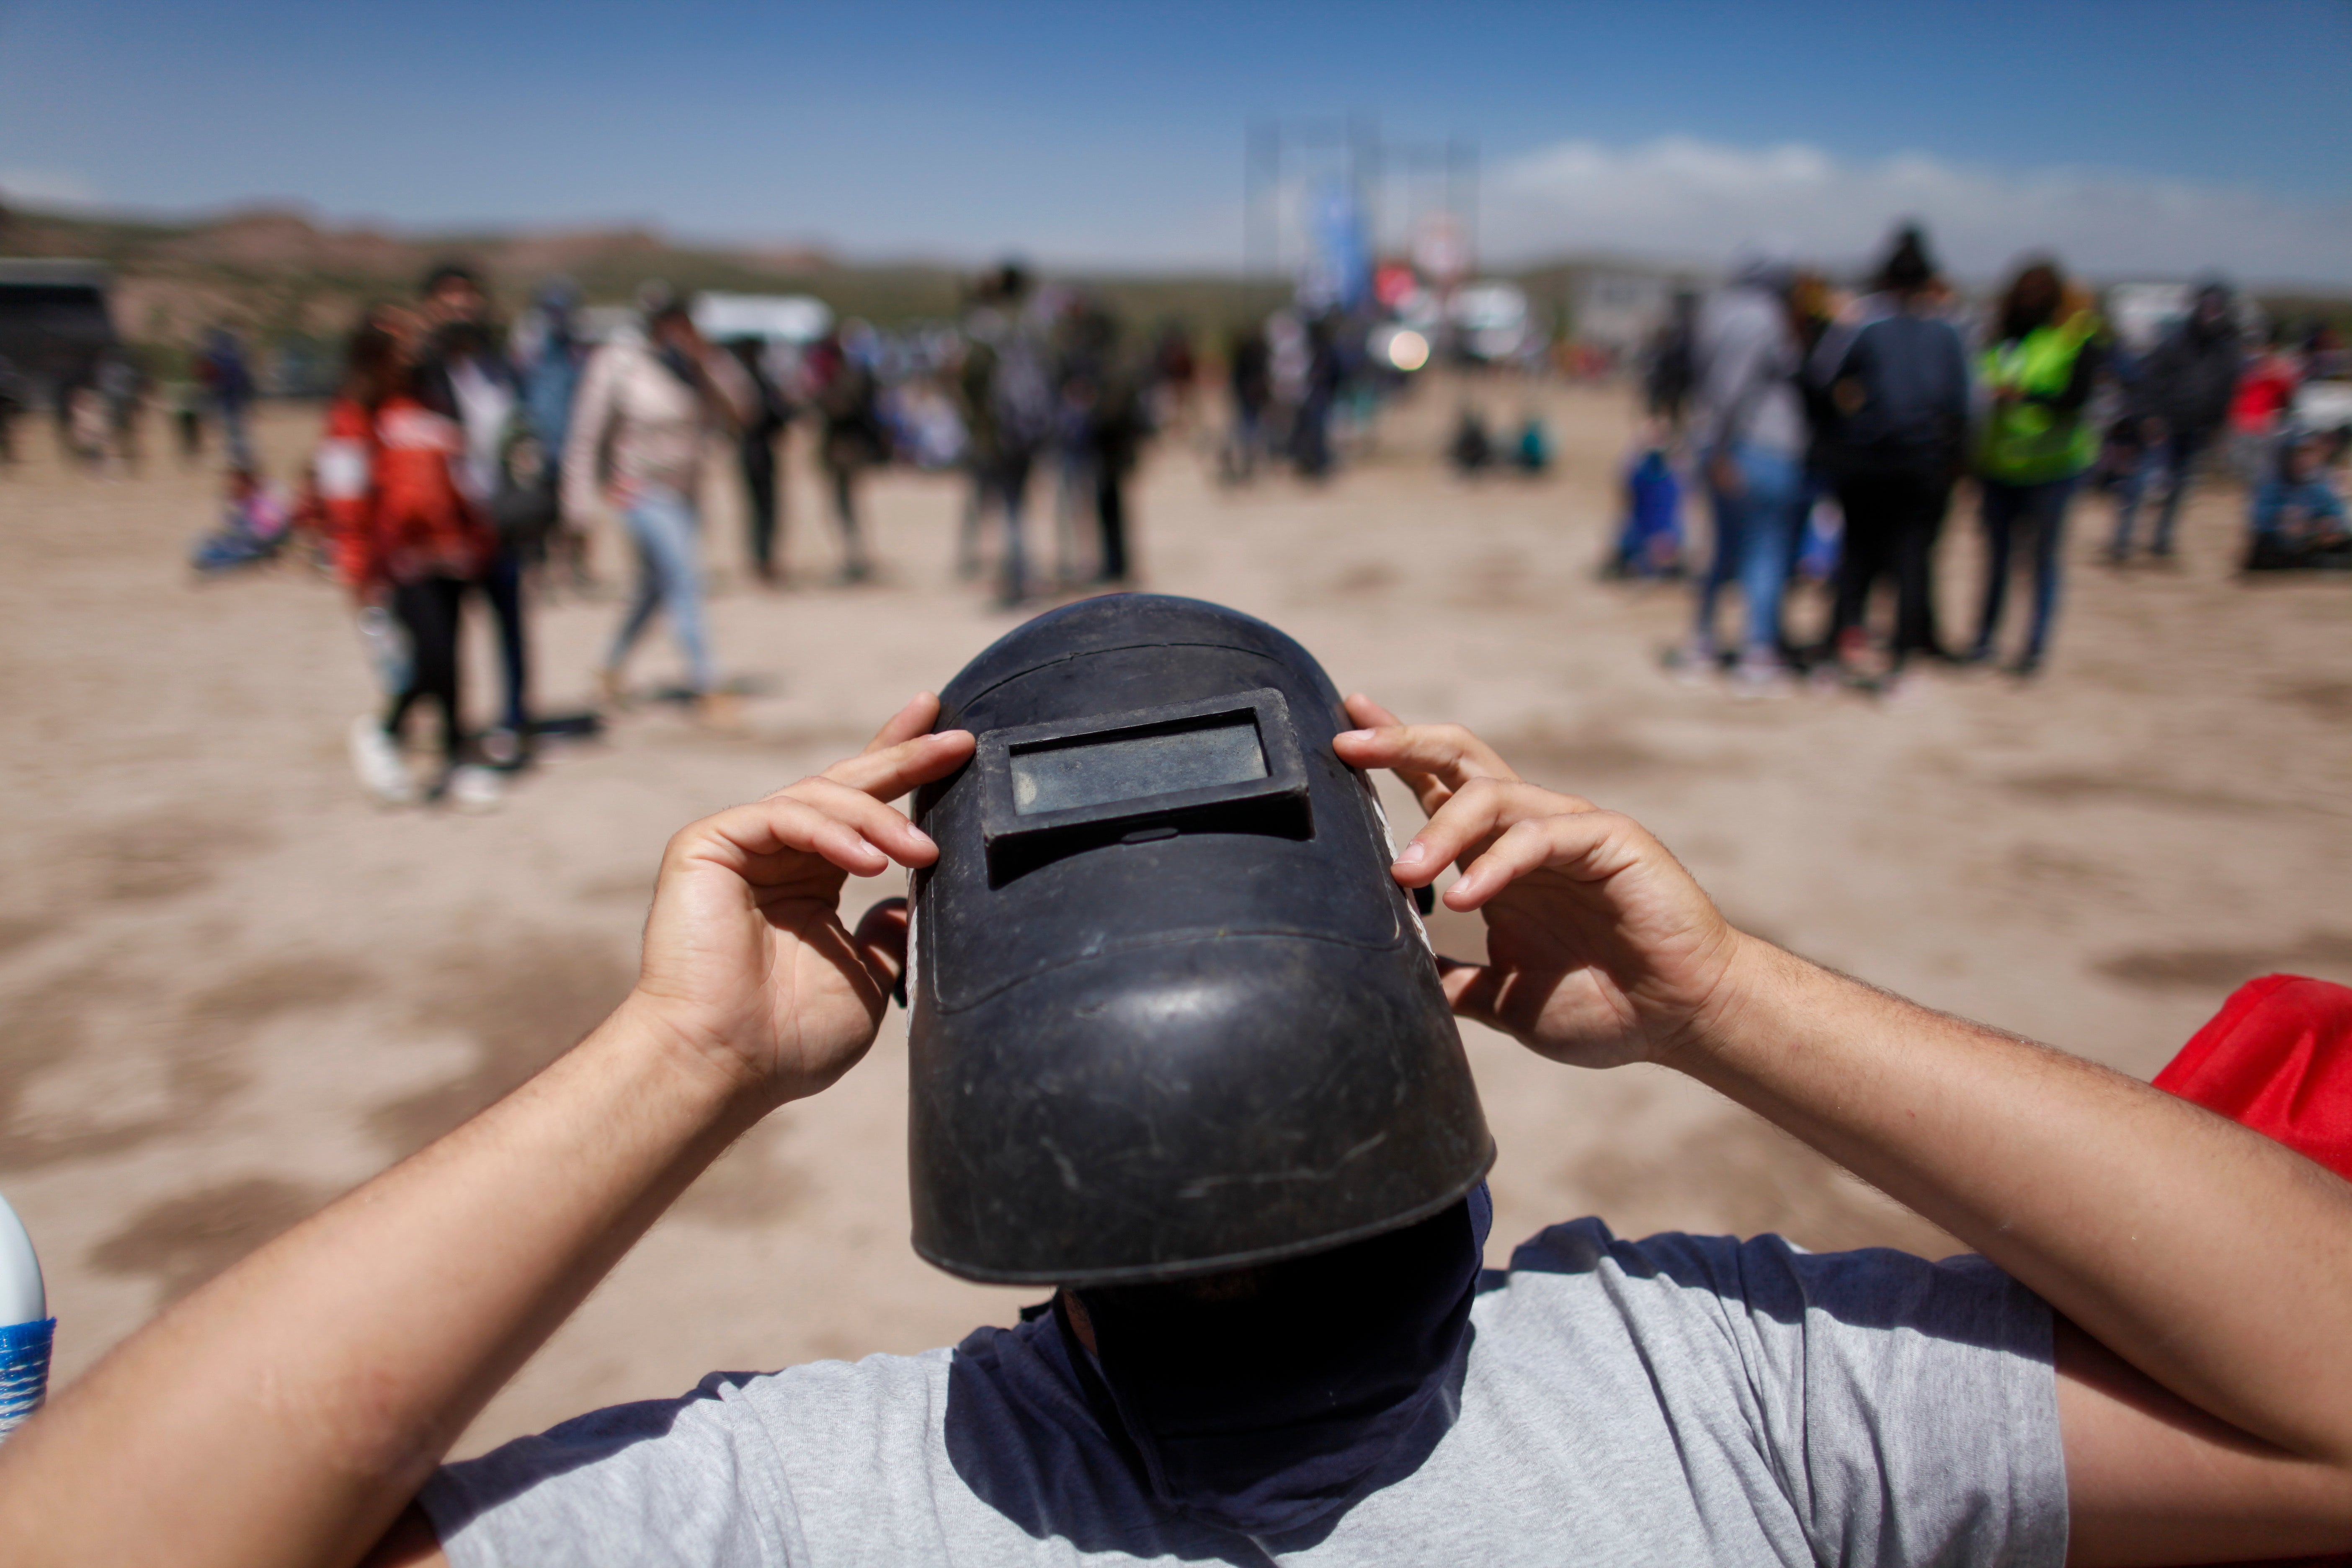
point(1600, 948)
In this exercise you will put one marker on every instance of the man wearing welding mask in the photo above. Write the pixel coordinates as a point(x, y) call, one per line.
point(2150, 1361)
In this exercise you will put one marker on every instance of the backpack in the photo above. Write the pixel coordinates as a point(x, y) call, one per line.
point(1021, 397)
point(525, 507)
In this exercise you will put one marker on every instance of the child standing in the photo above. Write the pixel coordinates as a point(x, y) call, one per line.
point(406, 538)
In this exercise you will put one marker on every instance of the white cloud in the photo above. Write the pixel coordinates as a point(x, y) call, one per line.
point(1683, 198)
point(46, 188)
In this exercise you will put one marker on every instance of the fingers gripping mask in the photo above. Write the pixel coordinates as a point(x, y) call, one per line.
point(1170, 1013)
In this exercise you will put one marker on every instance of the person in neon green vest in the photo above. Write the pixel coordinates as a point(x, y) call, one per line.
point(2043, 360)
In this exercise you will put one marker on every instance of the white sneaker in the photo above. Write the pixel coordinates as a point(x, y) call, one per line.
point(472, 787)
point(1694, 663)
point(1756, 677)
point(383, 771)
point(502, 748)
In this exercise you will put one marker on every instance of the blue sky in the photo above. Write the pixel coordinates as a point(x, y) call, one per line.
point(2136, 133)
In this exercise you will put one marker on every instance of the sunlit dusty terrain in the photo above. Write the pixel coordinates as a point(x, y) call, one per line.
point(232, 988)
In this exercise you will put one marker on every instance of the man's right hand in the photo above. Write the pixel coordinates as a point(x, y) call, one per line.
point(747, 963)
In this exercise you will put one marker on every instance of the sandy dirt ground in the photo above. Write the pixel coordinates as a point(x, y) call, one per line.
point(232, 988)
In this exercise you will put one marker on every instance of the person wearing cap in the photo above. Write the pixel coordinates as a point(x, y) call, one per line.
point(2183, 396)
point(1892, 377)
point(2148, 1362)
point(464, 375)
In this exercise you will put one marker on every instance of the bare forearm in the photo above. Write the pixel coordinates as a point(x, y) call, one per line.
point(2212, 1258)
point(283, 1414)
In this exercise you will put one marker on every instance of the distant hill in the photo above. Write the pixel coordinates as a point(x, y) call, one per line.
point(278, 275)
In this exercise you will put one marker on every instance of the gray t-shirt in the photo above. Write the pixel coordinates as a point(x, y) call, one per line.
point(1682, 1399)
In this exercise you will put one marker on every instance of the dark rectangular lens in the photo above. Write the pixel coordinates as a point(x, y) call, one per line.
point(1095, 771)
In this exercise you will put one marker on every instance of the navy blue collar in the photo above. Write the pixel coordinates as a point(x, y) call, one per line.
point(1263, 1411)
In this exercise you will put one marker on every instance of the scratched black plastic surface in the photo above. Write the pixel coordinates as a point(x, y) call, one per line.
point(1187, 1047)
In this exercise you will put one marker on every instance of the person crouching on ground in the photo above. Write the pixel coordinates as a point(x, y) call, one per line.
point(2297, 519)
point(655, 405)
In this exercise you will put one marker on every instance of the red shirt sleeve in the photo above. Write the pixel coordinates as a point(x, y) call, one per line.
point(345, 469)
point(2277, 1057)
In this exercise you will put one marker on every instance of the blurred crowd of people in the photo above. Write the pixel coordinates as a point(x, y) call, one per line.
point(100, 409)
point(465, 463)
point(1285, 380)
point(1828, 434)
point(1305, 386)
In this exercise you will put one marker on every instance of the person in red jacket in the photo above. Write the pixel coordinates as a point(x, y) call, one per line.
point(2265, 393)
point(406, 539)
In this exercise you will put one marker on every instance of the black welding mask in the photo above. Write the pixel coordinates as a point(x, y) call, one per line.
point(1171, 1013)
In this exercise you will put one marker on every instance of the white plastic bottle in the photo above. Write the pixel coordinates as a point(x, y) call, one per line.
point(26, 1327)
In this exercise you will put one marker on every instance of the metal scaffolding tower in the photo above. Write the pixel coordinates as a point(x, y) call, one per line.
point(1280, 154)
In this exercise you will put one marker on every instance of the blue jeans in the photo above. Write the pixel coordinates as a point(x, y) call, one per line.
point(236, 440)
point(2176, 456)
point(2034, 517)
point(669, 577)
point(1008, 487)
point(501, 585)
point(1756, 542)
